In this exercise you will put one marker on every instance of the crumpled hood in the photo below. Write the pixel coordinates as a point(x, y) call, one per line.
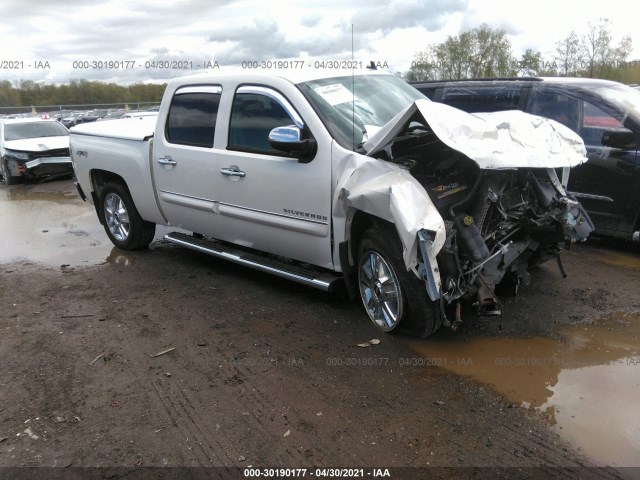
point(38, 144)
point(498, 140)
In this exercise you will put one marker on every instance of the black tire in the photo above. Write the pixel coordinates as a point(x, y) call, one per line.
point(8, 179)
point(403, 304)
point(122, 222)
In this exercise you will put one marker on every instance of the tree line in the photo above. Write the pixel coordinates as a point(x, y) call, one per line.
point(486, 52)
point(28, 93)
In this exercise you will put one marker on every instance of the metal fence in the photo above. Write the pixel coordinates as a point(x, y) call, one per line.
point(53, 109)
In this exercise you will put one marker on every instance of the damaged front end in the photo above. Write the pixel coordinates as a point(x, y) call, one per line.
point(492, 179)
point(511, 221)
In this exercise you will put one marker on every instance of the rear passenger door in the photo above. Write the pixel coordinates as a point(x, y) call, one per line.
point(604, 183)
point(185, 165)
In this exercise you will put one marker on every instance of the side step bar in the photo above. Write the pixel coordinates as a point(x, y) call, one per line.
point(316, 279)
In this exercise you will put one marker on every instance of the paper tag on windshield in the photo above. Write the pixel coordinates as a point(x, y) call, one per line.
point(335, 94)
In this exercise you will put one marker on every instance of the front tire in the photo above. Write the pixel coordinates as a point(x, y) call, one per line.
point(6, 176)
point(122, 222)
point(391, 295)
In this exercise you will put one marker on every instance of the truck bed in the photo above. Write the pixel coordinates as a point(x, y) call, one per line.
point(141, 128)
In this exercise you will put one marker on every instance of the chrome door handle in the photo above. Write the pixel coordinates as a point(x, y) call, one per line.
point(232, 172)
point(167, 161)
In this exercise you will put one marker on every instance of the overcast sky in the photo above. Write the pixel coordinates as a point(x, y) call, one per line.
point(67, 36)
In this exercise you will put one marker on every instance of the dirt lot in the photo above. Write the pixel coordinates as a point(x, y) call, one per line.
point(263, 372)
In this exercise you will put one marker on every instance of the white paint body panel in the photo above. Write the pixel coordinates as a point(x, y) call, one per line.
point(254, 210)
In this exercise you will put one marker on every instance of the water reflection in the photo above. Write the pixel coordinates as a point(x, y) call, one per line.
point(48, 223)
point(587, 384)
point(120, 257)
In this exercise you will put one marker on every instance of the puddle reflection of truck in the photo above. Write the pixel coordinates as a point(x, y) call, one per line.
point(329, 178)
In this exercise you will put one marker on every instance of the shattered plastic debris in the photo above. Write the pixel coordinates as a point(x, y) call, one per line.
point(164, 351)
point(96, 359)
point(373, 341)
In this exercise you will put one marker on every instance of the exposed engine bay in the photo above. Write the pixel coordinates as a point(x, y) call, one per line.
point(498, 222)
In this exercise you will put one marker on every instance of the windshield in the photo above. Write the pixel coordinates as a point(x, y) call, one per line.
point(354, 105)
point(20, 131)
point(625, 98)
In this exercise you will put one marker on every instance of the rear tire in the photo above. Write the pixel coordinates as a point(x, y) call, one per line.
point(393, 297)
point(122, 222)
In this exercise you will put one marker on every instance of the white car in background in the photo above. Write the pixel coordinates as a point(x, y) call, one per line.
point(33, 148)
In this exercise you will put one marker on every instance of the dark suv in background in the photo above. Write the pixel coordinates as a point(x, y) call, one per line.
point(605, 114)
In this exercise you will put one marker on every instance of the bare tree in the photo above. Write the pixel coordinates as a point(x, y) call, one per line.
point(568, 55)
point(601, 58)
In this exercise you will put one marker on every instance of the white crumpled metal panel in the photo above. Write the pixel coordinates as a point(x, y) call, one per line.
point(497, 140)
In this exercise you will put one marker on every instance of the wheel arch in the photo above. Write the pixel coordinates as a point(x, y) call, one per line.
point(358, 222)
point(121, 220)
point(99, 178)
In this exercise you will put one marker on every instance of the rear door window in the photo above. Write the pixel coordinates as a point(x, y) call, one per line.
point(192, 116)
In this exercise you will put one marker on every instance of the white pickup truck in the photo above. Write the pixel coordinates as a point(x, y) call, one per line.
point(353, 178)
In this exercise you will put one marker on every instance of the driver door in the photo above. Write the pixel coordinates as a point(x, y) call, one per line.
point(267, 199)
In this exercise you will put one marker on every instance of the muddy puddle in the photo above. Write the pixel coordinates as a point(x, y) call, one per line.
point(48, 223)
point(587, 386)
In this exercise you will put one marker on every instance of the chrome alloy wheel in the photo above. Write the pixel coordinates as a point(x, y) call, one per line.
point(116, 216)
point(380, 291)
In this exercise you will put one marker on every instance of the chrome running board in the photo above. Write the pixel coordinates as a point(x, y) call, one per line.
point(321, 280)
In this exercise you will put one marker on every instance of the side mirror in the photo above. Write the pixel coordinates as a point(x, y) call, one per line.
point(618, 138)
point(288, 139)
